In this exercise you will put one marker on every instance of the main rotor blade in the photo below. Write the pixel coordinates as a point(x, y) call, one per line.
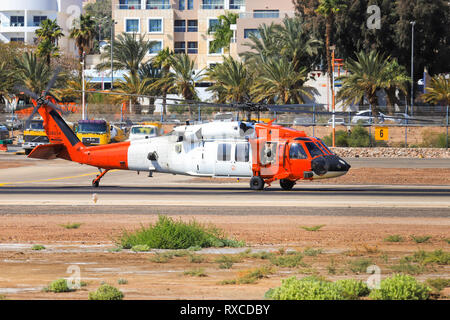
point(28, 92)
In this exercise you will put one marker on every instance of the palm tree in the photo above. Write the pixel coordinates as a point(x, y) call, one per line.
point(296, 42)
point(263, 44)
point(72, 91)
point(278, 82)
point(395, 78)
point(368, 74)
point(181, 78)
point(222, 32)
point(232, 81)
point(6, 81)
point(438, 91)
point(132, 87)
point(32, 72)
point(48, 35)
point(84, 32)
point(328, 9)
point(162, 61)
point(129, 53)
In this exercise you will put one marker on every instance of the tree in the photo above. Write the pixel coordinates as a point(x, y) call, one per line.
point(279, 82)
point(101, 12)
point(181, 79)
point(162, 61)
point(222, 32)
point(6, 81)
point(83, 32)
point(132, 84)
point(232, 81)
point(71, 92)
point(438, 92)
point(262, 45)
point(32, 72)
point(129, 53)
point(328, 9)
point(395, 78)
point(48, 35)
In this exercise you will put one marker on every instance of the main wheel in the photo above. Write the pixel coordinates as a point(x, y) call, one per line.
point(95, 184)
point(257, 183)
point(287, 184)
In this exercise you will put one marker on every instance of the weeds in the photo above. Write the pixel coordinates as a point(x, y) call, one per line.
point(71, 225)
point(438, 284)
point(196, 258)
point(313, 228)
point(37, 247)
point(122, 281)
point(312, 252)
point(195, 273)
point(394, 238)
point(59, 285)
point(226, 262)
point(140, 248)
point(161, 257)
point(408, 268)
point(106, 292)
point(360, 265)
point(288, 261)
point(420, 239)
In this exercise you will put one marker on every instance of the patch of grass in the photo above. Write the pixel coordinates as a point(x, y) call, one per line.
point(71, 225)
point(401, 287)
point(169, 234)
point(437, 256)
point(312, 252)
point(438, 283)
point(288, 261)
point(2, 297)
point(37, 247)
point(420, 239)
point(196, 273)
point(317, 288)
point(196, 258)
point(106, 292)
point(140, 248)
point(122, 281)
point(116, 249)
point(226, 262)
point(57, 286)
point(263, 255)
point(394, 238)
point(250, 276)
point(447, 240)
point(331, 268)
point(313, 228)
point(408, 268)
point(160, 258)
point(359, 265)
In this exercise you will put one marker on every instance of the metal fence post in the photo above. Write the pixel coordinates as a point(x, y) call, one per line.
point(447, 127)
point(314, 118)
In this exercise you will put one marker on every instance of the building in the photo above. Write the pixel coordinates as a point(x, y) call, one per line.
point(19, 19)
point(182, 25)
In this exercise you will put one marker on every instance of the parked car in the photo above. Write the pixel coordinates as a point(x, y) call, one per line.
point(4, 133)
point(337, 121)
point(402, 118)
point(366, 116)
point(303, 122)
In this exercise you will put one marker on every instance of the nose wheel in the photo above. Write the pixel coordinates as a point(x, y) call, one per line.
point(96, 181)
point(257, 183)
point(287, 184)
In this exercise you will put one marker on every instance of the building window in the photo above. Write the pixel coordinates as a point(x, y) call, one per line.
point(211, 52)
point(17, 21)
point(237, 4)
point(155, 25)
point(17, 40)
point(265, 14)
point(213, 4)
point(180, 26)
point(213, 23)
point(192, 47)
point(157, 4)
point(192, 25)
point(132, 25)
point(182, 5)
point(180, 47)
point(156, 46)
point(130, 4)
point(248, 32)
point(37, 20)
point(190, 4)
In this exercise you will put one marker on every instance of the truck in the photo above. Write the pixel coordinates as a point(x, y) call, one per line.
point(33, 135)
point(98, 132)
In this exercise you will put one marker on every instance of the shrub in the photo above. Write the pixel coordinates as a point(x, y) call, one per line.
point(312, 252)
point(226, 262)
point(438, 283)
point(438, 256)
point(408, 268)
point(288, 261)
point(59, 285)
point(401, 287)
point(357, 137)
point(352, 289)
point(71, 225)
point(140, 248)
point(432, 139)
point(161, 257)
point(196, 273)
point(106, 292)
point(420, 239)
point(196, 258)
point(360, 265)
point(394, 238)
point(122, 281)
point(37, 247)
point(170, 234)
point(313, 228)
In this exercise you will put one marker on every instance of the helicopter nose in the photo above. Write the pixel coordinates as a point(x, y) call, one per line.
point(330, 163)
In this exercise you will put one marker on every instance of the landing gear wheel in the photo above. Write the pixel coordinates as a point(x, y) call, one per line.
point(287, 184)
point(257, 183)
point(95, 183)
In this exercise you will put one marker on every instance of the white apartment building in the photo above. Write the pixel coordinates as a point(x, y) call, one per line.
point(19, 19)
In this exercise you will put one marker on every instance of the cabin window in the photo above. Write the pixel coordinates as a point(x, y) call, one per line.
point(296, 151)
point(224, 152)
point(313, 149)
point(242, 152)
point(268, 153)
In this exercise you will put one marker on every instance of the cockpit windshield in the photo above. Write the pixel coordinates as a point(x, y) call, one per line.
point(325, 146)
point(313, 149)
point(36, 125)
point(143, 130)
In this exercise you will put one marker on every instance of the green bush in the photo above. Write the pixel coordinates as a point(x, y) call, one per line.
point(37, 247)
point(140, 248)
point(432, 139)
point(357, 137)
point(287, 261)
point(401, 287)
point(170, 234)
point(437, 256)
point(360, 265)
point(420, 239)
point(59, 285)
point(438, 283)
point(394, 238)
point(314, 288)
point(106, 292)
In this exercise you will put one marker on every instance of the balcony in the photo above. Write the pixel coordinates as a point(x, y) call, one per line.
point(158, 5)
point(125, 5)
point(212, 5)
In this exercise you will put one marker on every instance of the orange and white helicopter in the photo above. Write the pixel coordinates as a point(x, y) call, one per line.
point(264, 152)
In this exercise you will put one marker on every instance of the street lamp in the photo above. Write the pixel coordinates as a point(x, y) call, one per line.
point(83, 96)
point(112, 54)
point(412, 65)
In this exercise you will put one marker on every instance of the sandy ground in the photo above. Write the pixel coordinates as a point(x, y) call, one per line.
point(343, 239)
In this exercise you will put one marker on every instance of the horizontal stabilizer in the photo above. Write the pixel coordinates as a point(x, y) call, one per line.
point(47, 151)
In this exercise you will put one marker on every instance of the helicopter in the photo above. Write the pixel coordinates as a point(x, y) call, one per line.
point(263, 152)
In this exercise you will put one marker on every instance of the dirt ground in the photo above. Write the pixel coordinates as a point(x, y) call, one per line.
point(343, 241)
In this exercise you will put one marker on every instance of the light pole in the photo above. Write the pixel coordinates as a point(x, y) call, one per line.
point(112, 54)
point(412, 66)
point(83, 97)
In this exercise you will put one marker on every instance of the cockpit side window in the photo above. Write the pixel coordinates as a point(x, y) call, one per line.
point(296, 151)
point(313, 149)
point(325, 146)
